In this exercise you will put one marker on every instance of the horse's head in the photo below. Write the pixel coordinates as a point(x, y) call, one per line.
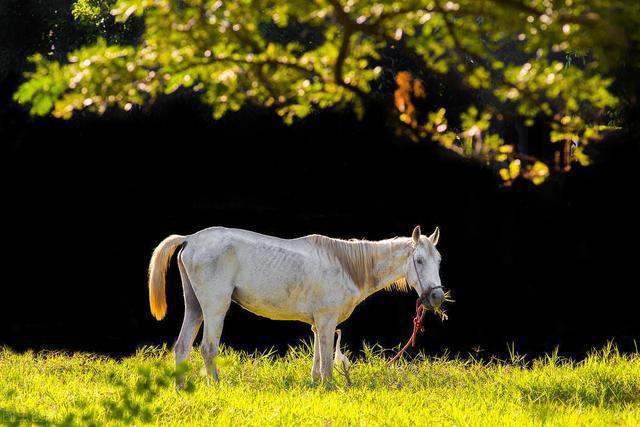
point(422, 270)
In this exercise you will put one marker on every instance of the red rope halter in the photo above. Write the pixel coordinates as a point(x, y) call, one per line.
point(417, 327)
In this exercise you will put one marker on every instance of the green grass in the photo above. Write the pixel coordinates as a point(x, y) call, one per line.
point(262, 389)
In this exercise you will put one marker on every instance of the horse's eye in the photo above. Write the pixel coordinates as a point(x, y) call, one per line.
point(420, 261)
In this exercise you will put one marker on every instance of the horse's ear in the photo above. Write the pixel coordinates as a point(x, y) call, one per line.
point(415, 236)
point(435, 236)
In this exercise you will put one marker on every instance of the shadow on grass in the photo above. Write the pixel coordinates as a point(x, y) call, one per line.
point(605, 378)
point(611, 393)
point(9, 417)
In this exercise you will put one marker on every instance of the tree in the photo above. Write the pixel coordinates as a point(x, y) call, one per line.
point(523, 63)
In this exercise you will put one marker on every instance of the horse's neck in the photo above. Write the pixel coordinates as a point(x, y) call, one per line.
point(389, 261)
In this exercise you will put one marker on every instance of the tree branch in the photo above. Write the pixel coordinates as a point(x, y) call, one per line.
point(342, 54)
point(342, 16)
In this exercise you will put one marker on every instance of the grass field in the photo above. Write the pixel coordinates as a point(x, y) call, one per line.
point(262, 389)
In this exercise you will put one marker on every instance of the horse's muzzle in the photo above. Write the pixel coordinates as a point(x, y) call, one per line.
point(433, 298)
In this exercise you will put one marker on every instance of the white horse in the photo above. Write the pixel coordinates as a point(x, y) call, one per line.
point(313, 279)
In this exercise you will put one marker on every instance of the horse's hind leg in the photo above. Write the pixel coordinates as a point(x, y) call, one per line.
point(215, 310)
point(213, 322)
point(190, 324)
point(213, 287)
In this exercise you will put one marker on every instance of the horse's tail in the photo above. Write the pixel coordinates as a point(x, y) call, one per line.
point(157, 272)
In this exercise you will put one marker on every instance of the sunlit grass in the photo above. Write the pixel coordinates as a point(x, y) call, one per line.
point(258, 389)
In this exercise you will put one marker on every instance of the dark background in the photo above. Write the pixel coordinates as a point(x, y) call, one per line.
point(85, 202)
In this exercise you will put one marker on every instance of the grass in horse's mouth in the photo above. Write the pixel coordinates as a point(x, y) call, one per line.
point(440, 311)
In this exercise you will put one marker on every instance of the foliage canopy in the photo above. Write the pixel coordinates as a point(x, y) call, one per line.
point(522, 62)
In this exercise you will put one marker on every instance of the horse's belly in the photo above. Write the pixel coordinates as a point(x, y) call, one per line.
point(275, 283)
point(287, 302)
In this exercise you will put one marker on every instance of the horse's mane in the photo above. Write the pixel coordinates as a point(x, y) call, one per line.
point(357, 257)
point(399, 285)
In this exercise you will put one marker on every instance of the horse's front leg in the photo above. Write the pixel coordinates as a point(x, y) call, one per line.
point(315, 368)
point(326, 330)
